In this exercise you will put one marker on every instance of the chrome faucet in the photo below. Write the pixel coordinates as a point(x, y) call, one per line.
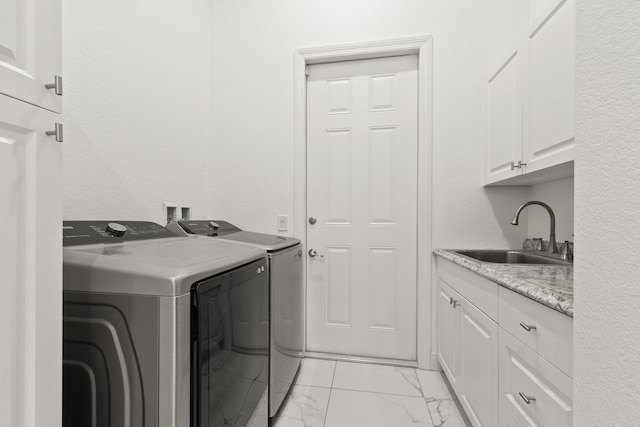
point(552, 248)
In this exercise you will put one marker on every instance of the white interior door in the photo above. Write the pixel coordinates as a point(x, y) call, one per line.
point(362, 194)
point(31, 267)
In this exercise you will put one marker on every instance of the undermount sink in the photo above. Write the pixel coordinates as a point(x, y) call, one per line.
point(508, 256)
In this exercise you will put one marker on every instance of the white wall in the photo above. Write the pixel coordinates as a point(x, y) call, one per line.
point(252, 86)
point(559, 195)
point(607, 271)
point(136, 107)
point(169, 102)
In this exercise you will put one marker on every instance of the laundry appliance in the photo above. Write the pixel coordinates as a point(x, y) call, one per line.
point(285, 277)
point(161, 330)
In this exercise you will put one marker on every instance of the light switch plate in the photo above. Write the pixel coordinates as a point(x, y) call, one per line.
point(283, 222)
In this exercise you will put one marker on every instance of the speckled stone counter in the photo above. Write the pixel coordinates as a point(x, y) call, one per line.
point(551, 285)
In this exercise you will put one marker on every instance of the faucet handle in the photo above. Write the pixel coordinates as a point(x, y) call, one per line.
point(567, 253)
point(538, 243)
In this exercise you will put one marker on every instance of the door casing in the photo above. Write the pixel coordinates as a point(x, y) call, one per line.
point(423, 47)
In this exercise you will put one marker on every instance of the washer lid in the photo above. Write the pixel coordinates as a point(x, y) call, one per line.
point(225, 230)
point(159, 267)
point(268, 242)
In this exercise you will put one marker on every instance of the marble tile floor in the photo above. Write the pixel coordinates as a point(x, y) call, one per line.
point(332, 393)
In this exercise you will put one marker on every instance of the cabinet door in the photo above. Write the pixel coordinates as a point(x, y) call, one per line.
point(504, 120)
point(478, 366)
point(448, 336)
point(549, 93)
point(30, 45)
point(505, 419)
point(31, 266)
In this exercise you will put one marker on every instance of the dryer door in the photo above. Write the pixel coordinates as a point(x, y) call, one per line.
point(230, 347)
point(110, 360)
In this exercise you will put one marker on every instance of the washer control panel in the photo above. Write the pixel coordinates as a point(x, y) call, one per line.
point(208, 227)
point(92, 232)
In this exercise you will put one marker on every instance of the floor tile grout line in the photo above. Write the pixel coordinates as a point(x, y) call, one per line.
point(333, 377)
point(326, 413)
point(377, 392)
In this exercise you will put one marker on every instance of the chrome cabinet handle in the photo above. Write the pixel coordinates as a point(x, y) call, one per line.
point(312, 220)
point(519, 165)
point(527, 399)
point(526, 327)
point(314, 254)
point(57, 85)
point(57, 132)
point(453, 302)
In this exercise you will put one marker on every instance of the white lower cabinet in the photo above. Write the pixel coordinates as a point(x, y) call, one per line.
point(503, 374)
point(468, 351)
point(533, 391)
point(448, 332)
point(478, 365)
point(505, 419)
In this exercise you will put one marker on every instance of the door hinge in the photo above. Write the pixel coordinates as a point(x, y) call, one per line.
point(306, 71)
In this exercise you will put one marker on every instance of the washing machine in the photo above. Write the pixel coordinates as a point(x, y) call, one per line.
point(161, 330)
point(285, 276)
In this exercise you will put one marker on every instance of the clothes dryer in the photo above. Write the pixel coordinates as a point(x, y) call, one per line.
point(285, 277)
point(161, 330)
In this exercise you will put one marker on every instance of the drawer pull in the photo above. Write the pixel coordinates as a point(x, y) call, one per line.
point(526, 327)
point(527, 399)
point(453, 302)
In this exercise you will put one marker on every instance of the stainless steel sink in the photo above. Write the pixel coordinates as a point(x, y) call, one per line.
point(507, 256)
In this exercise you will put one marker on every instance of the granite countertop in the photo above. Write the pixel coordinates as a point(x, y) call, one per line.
point(551, 285)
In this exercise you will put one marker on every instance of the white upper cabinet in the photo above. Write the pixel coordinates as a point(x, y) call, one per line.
point(30, 44)
point(530, 101)
point(549, 92)
point(504, 119)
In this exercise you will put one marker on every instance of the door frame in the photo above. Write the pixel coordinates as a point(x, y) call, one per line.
point(423, 47)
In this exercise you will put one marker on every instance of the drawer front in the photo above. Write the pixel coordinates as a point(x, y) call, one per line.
point(534, 392)
point(483, 293)
point(550, 332)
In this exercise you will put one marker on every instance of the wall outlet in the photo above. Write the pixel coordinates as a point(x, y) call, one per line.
point(283, 222)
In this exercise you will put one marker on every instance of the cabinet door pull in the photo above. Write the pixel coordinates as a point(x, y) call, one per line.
point(527, 399)
point(57, 85)
point(57, 132)
point(518, 166)
point(526, 327)
point(453, 302)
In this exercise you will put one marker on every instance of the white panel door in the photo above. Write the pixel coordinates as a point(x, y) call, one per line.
point(30, 46)
point(31, 266)
point(362, 192)
point(549, 93)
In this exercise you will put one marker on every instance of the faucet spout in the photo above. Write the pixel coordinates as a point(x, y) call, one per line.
point(552, 248)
